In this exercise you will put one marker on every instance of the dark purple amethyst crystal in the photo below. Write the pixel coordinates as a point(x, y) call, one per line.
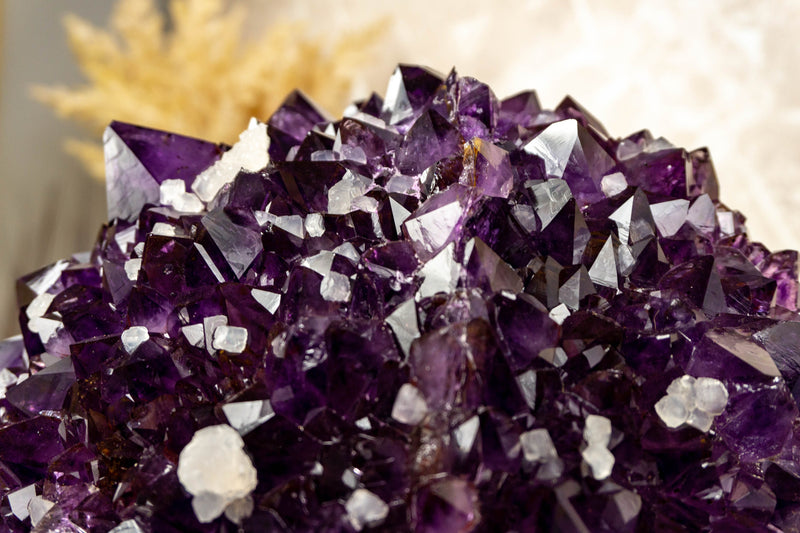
point(441, 313)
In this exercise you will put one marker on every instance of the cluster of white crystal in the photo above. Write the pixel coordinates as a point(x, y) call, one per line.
point(231, 339)
point(173, 193)
point(249, 154)
point(691, 401)
point(597, 434)
point(133, 337)
point(217, 472)
point(215, 333)
point(365, 509)
point(538, 447)
point(37, 323)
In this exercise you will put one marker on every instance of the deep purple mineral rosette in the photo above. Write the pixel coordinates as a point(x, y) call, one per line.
point(440, 313)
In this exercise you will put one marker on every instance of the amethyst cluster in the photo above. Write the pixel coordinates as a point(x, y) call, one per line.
point(443, 312)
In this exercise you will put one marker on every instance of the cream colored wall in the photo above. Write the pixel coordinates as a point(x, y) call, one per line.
point(48, 207)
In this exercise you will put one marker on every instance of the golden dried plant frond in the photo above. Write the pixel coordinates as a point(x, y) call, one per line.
point(198, 78)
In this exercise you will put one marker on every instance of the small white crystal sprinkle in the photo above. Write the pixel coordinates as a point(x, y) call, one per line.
point(45, 327)
point(194, 334)
point(599, 459)
point(692, 401)
point(365, 509)
point(559, 313)
point(710, 395)
point(132, 268)
point(189, 203)
point(231, 339)
point(210, 325)
point(597, 430)
point(410, 406)
point(173, 193)
point(170, 191)
point(215, 469)
point(7, 378)
point(164, 229)
point(315, 225)
point(364, 424)
point(251, 153)
point(672, 410)
point(133, 337)
point(537, 446)
point(39, 305)
point(335, 287)
point(18, 501)
point(349, 478)
point(37, 508)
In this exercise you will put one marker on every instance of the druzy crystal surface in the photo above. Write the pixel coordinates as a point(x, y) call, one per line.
point(443, 312)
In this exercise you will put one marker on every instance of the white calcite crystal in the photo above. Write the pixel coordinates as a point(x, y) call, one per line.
point(217, 472)
point(365, 509)
point(691, 401)
point(599, 459)
point(133, 337)
point(194, 334)
point(315, 225)
point(173, 193)
point(409, 406)
point(710, 395)
point(7, 378)
point(132, 268)
point(597, 430)
point(672, 411)
point(335, 287)
point(537, 446)
point(596, 455)
point(163, 229)
point(39, 305)
point(249, 154)
point(231, 339)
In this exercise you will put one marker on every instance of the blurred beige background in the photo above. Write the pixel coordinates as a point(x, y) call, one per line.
point(722, 74)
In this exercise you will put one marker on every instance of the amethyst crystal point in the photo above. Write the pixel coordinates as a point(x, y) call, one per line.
point(444, 312)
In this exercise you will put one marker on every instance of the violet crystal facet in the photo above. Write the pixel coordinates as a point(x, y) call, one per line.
point(441, 313)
